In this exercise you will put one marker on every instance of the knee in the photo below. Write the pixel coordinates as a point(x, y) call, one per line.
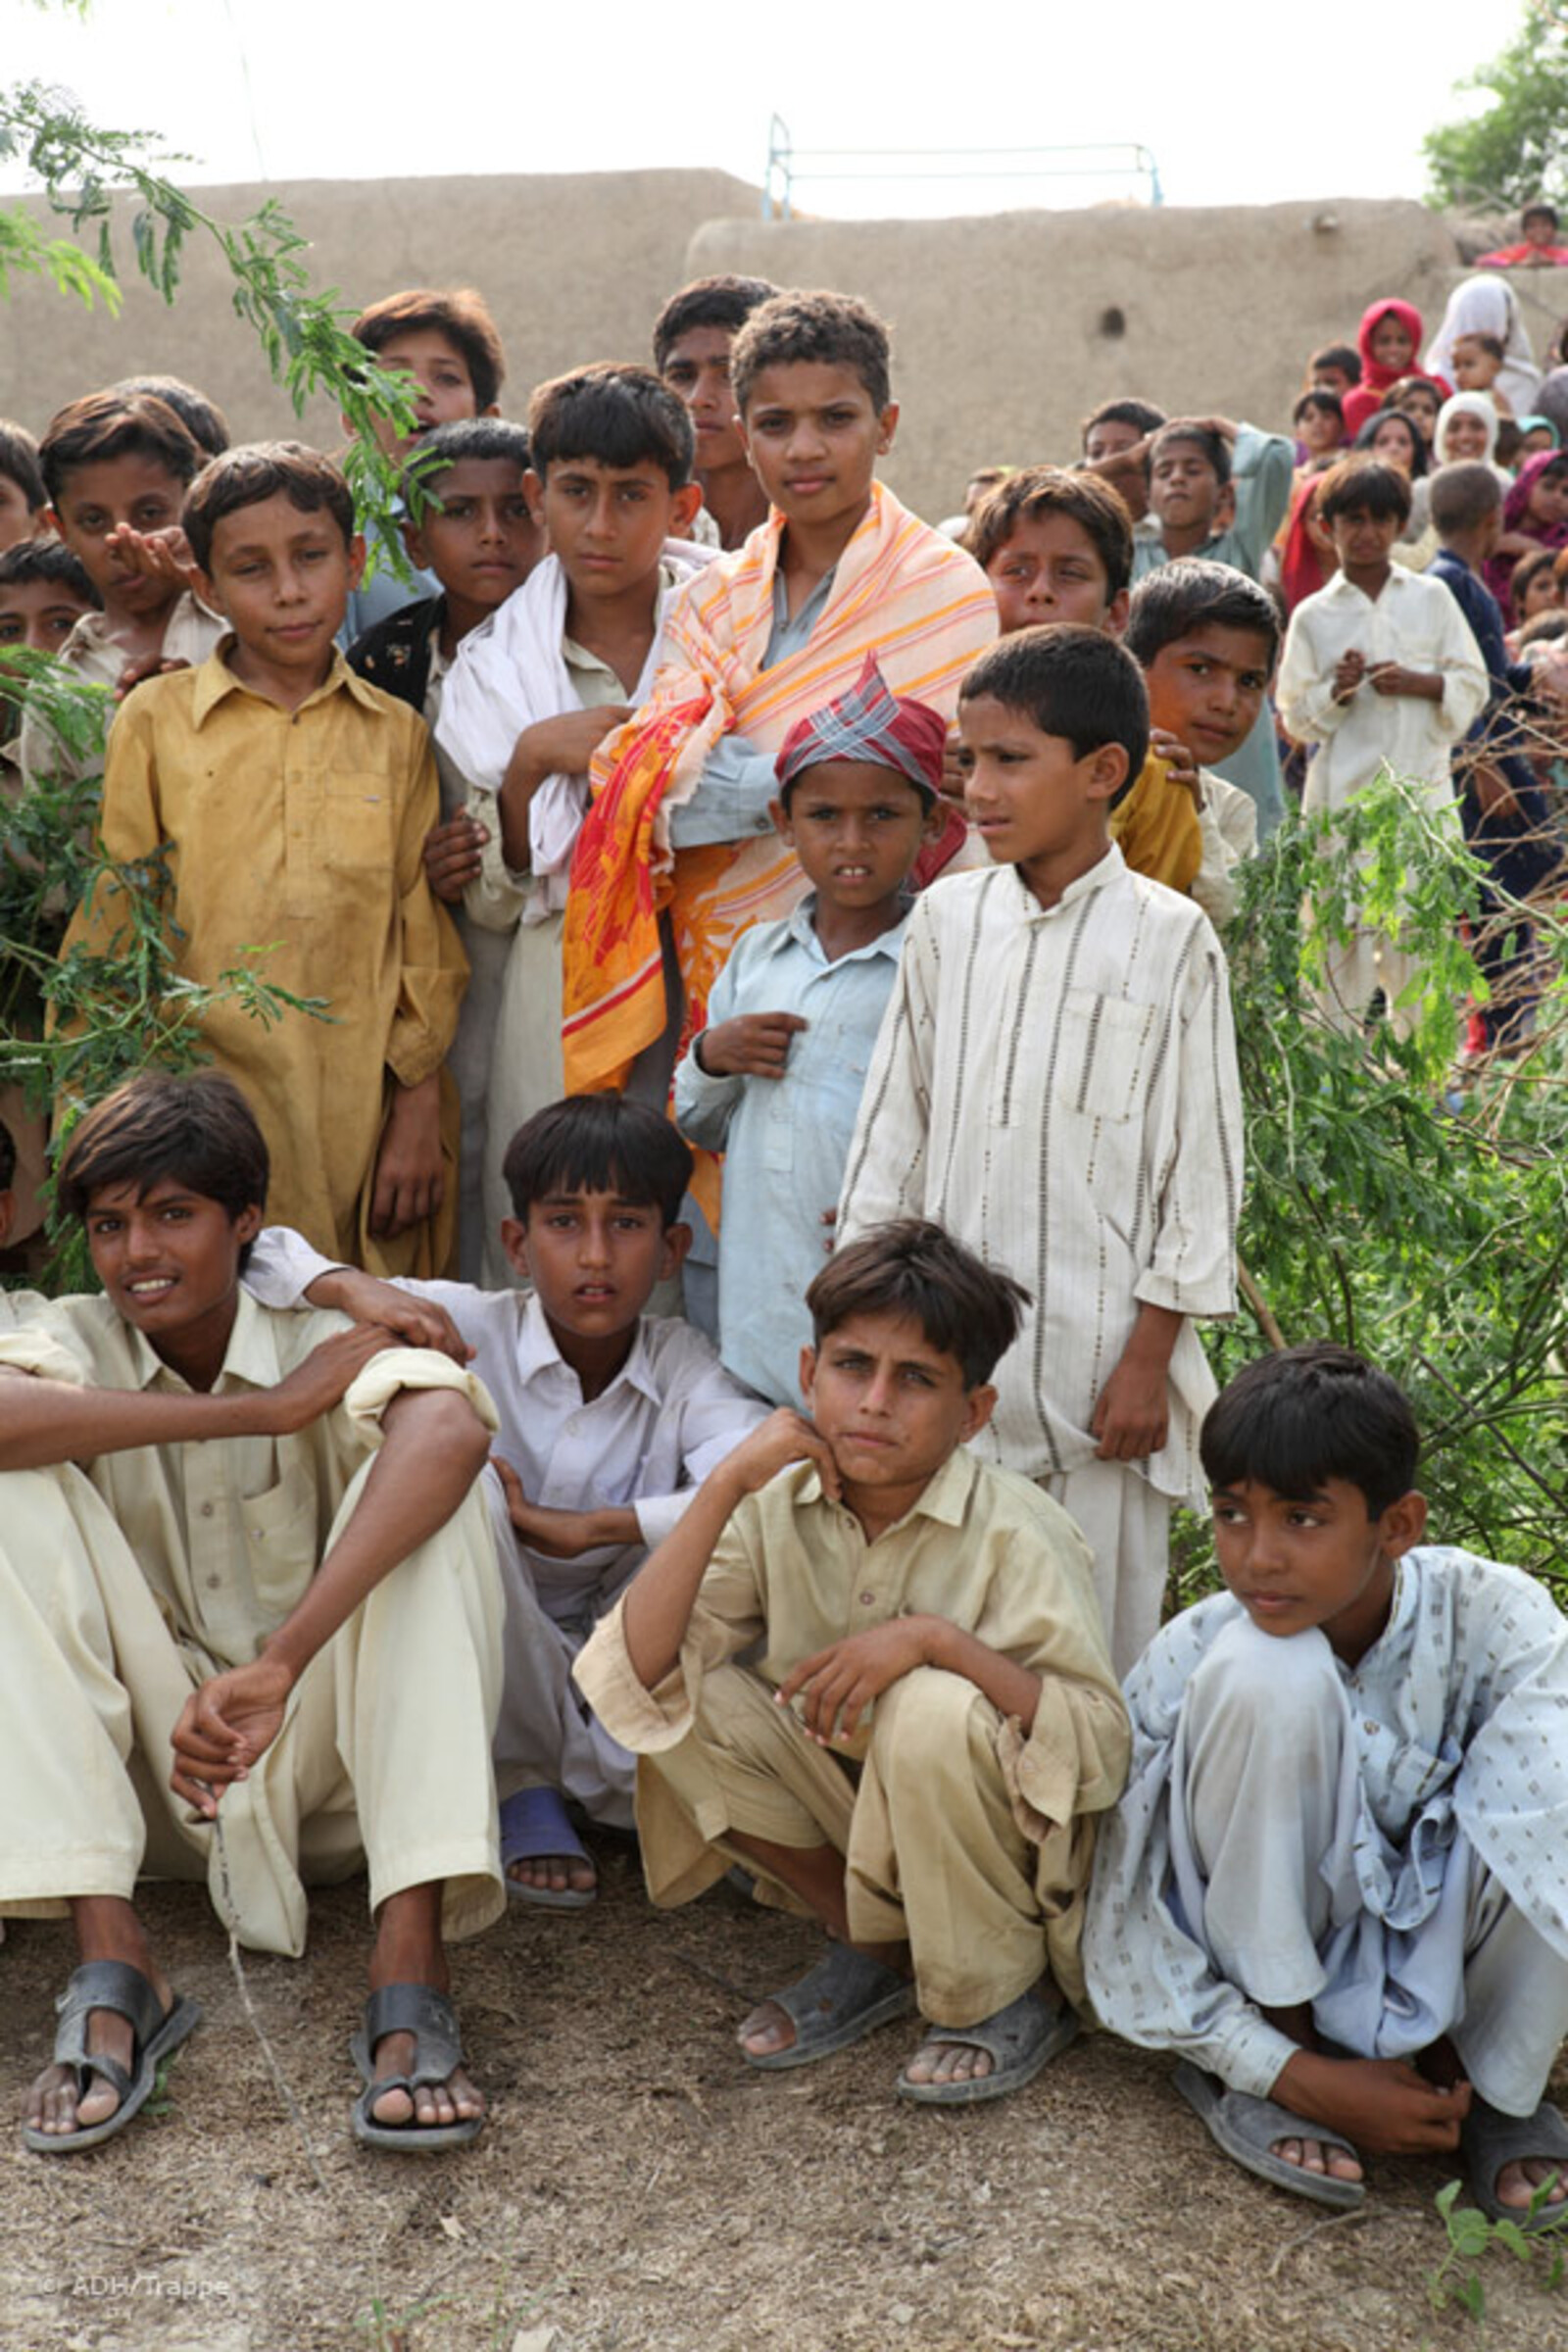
point(922, 1725)
point(1265, 1688)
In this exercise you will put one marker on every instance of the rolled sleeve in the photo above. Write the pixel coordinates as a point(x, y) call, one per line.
point(395, 1369)
point(644, 1721)
point(731, 802)
point(36, 1352)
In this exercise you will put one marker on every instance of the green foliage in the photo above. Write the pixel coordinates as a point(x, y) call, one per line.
point(1518, 147)
point(1389, 1208)
point(1470, 2235)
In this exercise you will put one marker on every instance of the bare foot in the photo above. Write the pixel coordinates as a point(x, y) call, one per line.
point(1518, 2182)
point(107, 1929)
point(940, 2061)
point(555, 1874)
point(408, 1951)
point(766, 2029)
point(1317, 2156)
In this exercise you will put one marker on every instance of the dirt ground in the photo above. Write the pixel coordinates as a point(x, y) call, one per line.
point(639, 2190)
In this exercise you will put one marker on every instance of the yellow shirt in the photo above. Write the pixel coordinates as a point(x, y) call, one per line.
point(793, 1572)
point(302, 834)
point(1157, 828)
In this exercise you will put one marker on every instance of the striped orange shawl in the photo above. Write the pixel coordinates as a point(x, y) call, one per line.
point(902, 591)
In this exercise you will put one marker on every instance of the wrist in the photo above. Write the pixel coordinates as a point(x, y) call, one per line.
point(281, 1655)
point(698, 1054)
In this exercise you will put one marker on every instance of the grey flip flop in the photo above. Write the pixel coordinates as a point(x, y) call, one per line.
point(113, 1984)
point(1491, 2140)
point(1020, 2040)
point(848, 1994)
point(426, 2013)
point(1247, 2128)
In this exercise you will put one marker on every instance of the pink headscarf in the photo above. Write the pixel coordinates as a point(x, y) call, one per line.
point(1364, 399)
point(1516, 516)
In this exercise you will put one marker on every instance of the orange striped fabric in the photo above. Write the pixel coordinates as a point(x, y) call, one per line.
point(903, 592)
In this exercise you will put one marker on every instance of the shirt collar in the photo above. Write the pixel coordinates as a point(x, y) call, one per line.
point(800, 928)
point(944, 1498)
point(215, 680)
point(1105, 871)
point(537, 1352)
point(251, 1356)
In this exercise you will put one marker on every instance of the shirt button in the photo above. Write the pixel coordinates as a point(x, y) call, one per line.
point(213, 1582)
point(868, 1600)
point(207, 1510)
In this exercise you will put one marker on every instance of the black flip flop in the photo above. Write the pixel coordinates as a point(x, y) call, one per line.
point(115, 1985)
point(426, 2013)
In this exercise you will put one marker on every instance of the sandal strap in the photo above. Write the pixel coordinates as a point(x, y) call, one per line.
point(115, 1985)
point(426, 2013)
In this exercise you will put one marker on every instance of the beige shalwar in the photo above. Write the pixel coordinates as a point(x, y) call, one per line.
point(958, 1830)
point(125, 1586)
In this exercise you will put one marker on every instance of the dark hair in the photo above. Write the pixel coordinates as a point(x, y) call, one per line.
point(1293, 1420)
point(1074, 682)
point(1214, 445)
point(1492, 345)
point(1141, 414)
point(914, 1270)
point(1366, 483)
point(618, 415)
point(1398, 395)
point(461, 315)
point(105, 425)
point(1529, 568)
point(1192, 593)
point(726, 302)
point(480, 438)
point(1037, 490)
point(198, 1129)
point(834, 329)
point(1314, 397)
point(257, 471)
point(1366, 438)
point(8, 1159)
point(18, 460)
point(202, 417)
point(1538, 210)
point(28, 561)
point(1462, 496)
point(1509, 441)
point(1342, 358)
point(1543, 628)
point(598, 1143)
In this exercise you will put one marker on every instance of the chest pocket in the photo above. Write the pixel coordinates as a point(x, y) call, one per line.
point(352, 816)
point(282, 1542)
point(1103, 1049)
point(822, 1084)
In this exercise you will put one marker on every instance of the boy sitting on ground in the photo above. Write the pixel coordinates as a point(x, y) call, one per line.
point(1335, 1885)
point(478, 535)
point(1055, 1083)
point(537, 687)
point(692, 336)
point(117, 467)
point(271, 1557)
point(773, 1081)
point(875, 1568)
point(609, 1418)
point(1220, 491)
point(295, 801)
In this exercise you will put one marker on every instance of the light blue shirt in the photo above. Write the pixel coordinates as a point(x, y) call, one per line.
point(738, 781)
point(785, 1140)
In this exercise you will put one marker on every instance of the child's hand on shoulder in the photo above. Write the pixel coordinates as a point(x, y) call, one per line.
point(155, 666)
point(755, 1044)
point(412, 1321)
point(324, 1377)
point(785, 1437)
point(452, 854)
point(1180, 765)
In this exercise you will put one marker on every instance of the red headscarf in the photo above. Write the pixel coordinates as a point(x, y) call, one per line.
point(1365, 399)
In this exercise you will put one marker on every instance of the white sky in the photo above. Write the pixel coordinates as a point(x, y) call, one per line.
point(1241, 102)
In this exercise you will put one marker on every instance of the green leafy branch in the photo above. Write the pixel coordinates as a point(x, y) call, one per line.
point(1470, 2236)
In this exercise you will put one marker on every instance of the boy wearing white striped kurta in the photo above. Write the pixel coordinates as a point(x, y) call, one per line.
point(1055, 1082)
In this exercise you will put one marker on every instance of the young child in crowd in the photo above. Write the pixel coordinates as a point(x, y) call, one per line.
point(1388, 340)
point(1537, 248)
point(1055, 1082)
point(251, 1538)
point(1534, 585)
point(1220, 491)
point(1534, 515)
point(680, 836)
point(295, 799)
point(1206, 639)
point(1336, 369)
point(1319, 420)
point(773, 1081)
point(1487, 305)
point(537, 687)
point(1466, 430)
point(1058, 547)
point(1535, 433)
point(610, 1418)
point(692, 336)
point(1419, 398)
point(447, 341)
point(867, 1565)
point(1336, 1884)
point(1380, 672)
point(477, 535)
point(117, 467)
point(1395, 439)
point(24, 499)
point(1477, 365)
point(1115, 448)
point(1506, 813)
point(202, 417)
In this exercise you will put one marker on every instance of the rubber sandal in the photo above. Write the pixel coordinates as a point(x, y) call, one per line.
point(155, 2032)
point(535, 1824)
point(844, 1998)
point(1020, 2040)
point(1489, 2140)
point(1247, 2128)
point(428, 2015)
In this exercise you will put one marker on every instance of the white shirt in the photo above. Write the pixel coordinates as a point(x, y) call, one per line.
point(1058, 1087)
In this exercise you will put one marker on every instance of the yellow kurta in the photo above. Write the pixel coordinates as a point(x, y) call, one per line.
point(793, 1571)
point(301, 834)
point(1157, 827)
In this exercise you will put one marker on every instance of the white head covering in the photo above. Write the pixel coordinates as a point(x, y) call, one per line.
point(1465, 404)
point(1488, 306)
